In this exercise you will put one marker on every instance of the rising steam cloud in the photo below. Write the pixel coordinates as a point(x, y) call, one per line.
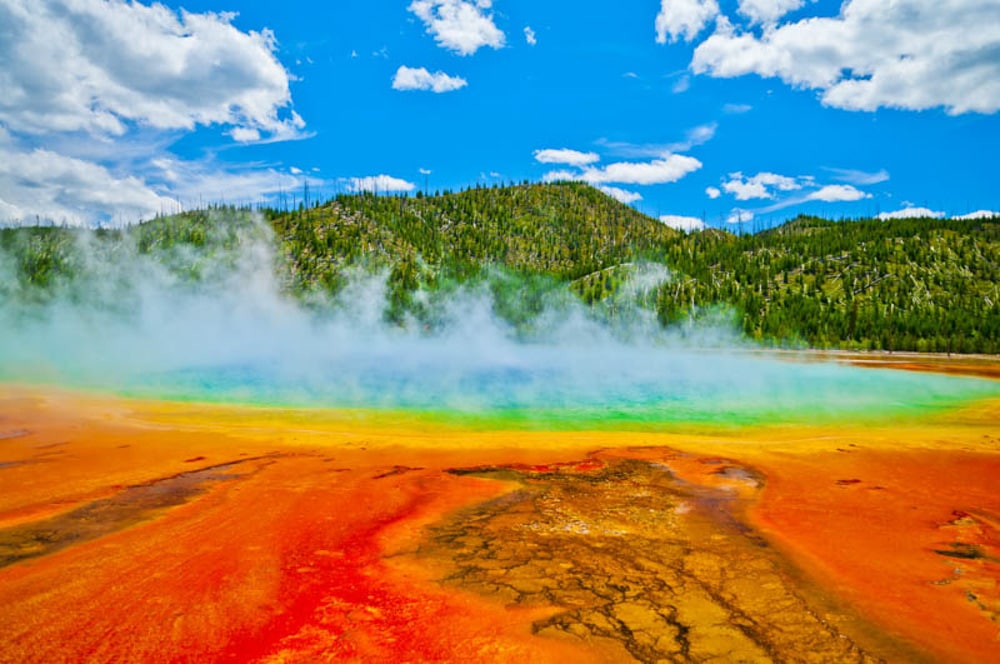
point(138, 322)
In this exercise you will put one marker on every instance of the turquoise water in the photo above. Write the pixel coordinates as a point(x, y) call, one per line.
point(133, 328)
point(552, 389)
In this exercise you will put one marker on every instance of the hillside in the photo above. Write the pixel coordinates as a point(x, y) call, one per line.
point(564, 230)
point(919, 284)
point(905, 284)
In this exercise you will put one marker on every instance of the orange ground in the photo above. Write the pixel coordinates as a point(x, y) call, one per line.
point(911, 537)
point(310, 542)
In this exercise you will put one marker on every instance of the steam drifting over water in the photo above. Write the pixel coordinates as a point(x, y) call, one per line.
point(134, 322)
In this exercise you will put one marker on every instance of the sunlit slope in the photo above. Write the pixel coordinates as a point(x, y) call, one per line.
point(564, 230)
point(902, 284)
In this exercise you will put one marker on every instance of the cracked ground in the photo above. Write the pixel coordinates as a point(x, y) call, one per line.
point(644, 564)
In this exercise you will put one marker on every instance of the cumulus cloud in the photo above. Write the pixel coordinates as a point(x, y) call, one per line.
point(767, 11)
point(565, 156)
point(459, 25)
point(912, 213)
point(761, 185)
point(787, 191)
point(684, 19)
point(745, 190)
point(833, 193)
point(410, 78)
point(379, 184)
point(978, 214)
point(907, 54)
point(622, 195)
point(681, 223)
point(529, 36)
point(195, 183)
point(42, 185)
point(39, 184)
point(98, 66)
point(670, 168)
point(563, 175)
point(94, 91)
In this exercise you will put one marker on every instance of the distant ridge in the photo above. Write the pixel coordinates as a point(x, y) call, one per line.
point(930, 285)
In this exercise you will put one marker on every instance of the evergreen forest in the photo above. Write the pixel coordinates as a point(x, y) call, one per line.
point(930, 285)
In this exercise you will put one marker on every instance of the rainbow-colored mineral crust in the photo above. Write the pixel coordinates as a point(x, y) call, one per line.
point(141, 530)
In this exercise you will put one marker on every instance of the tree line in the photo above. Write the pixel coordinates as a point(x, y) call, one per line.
point(900, 284)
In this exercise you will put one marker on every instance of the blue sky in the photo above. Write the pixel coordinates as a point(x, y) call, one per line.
point(690, 110)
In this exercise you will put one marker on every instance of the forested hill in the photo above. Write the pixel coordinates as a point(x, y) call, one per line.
point(913, 284)
point(563, 230)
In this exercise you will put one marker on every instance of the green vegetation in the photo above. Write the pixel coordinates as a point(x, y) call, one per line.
point(910, 284)
point(914, 284)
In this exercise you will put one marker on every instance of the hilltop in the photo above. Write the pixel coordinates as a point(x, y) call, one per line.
point(565, 230)
point(913, 284)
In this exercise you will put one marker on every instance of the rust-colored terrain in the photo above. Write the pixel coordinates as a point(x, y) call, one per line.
point(144, 531)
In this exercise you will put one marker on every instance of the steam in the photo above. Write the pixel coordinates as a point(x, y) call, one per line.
point(193, 324)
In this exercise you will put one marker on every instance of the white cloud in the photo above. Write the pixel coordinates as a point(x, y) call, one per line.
point(562, 176)
point(98, 67)
point(196, 183)
point(737, 109)
point(529, 36)
point(745, 190)
point(860, 178)
point(245, 134)
point(44, 185)
point(565, 156)
point(659, 171)
point(622, 195)
point(767, 11)
point(379, 184)
point(681, 223)
point(459, 25)
point(410, 78)
point(670, 168)
point(425, 171)
point(692, 138)
point(739, 216)
point(683, 84)
point(95, 91)
point(833, 193)
point(978, 214)
point(698, 136)
point(758, 186)
point(684, 18)
point(49, 186)
point(908, 54)
point(911, 213)
point(780, 188)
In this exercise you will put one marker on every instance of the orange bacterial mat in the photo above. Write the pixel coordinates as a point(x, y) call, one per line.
point(162, 532)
